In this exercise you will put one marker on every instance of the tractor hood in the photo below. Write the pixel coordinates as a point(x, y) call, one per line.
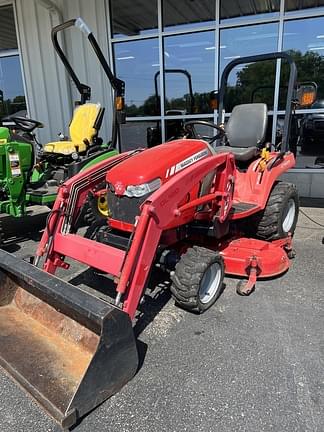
point(158, 163)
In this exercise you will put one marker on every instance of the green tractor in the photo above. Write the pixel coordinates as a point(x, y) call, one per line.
point(30, 173)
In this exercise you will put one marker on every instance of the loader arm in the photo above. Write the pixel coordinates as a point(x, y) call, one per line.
point(72, 195)
point(131, 268)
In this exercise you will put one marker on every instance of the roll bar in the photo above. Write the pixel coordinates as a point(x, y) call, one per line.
point(85, 91)
point(290, 92)
point(117, 84)
point(176, 71)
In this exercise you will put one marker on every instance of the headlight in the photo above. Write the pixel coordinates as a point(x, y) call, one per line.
point(143, 189)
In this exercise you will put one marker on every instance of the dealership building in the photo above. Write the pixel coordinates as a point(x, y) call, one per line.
point(171, 54)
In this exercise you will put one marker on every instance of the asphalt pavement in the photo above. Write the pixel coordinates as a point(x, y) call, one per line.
point(248, 364)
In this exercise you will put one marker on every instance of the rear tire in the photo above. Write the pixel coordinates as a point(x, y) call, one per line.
point(279, 216)
point(198, 279)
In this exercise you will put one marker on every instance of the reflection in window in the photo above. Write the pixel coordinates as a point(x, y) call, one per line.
point(306, 138)
point(136, 63)
point(312, 134)
point(187, 13)
point(12, 97)
point(135, 134)
point(175, 129)
point(256, 80)
point(133, 17)
point(182, 81)
point(297, 5)
point(8, 38)
point(251, 83)
point(195, 54)
point(304, 39)
point(236, 10)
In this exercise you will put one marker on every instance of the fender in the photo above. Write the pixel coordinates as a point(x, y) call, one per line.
point(253, 186)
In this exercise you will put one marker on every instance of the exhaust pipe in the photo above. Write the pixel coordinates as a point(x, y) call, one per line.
point(68, 349)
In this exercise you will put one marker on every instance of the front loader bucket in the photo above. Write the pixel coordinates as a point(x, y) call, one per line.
point(68, 349)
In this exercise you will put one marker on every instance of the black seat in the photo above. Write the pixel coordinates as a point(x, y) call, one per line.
point(245, 131)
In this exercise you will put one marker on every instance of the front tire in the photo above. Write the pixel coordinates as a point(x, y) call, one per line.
point(198, 279)
point(279, 216)
point(96, 207)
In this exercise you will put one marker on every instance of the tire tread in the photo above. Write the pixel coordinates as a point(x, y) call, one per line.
point(266, 225)
point(188, 274)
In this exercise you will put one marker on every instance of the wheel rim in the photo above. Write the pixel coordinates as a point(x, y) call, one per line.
point(289, 216)
point(102, 205)
point(210, 283)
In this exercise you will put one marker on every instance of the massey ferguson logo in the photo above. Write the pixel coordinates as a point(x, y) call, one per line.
point(119, 188)
point(186, 162)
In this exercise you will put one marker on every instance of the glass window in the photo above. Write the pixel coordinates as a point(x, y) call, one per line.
point(236, 10)
point(301, 5)
point(306, 138)
point(251, 83)
point(255, 81)
point(245, 41)
point(174, 129)
point(8, 38)
point(136, 63)
point(188, 14)
point(12, 98)
point(182, 101)
point(304, 39)
point(194, 56)
point(311, 138)
point(135, 134)
point(133, 17)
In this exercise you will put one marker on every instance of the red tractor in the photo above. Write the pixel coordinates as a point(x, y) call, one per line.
point(195, 209)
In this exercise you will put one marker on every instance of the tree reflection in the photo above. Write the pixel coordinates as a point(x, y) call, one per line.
point(258, 80)
point(254, 81)
point(310, 67)
point(151, 105)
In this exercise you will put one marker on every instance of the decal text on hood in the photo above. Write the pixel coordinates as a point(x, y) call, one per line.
point(186, 162)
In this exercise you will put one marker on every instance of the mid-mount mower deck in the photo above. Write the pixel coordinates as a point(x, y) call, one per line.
point(195, 209)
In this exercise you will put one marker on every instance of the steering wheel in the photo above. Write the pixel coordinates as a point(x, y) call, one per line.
point(190, 128)
point(26, 124)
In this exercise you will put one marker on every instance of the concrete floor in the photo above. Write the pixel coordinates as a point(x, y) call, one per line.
point(248, 364)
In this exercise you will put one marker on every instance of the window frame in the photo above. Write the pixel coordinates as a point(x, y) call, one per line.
point(160, 33)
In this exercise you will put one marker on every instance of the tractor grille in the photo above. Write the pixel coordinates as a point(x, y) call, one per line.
point(123, 208)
